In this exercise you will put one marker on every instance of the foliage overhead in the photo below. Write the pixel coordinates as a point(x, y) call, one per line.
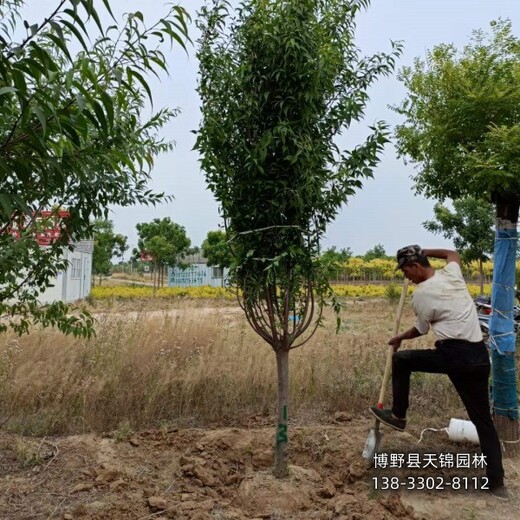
point(462, 117)
point(279, 82)
point(76, 132)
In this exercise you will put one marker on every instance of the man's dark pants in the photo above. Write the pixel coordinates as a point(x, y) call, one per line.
point(467, 365)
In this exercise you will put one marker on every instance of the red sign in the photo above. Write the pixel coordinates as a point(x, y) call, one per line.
point(146, 257)
point(46, 226)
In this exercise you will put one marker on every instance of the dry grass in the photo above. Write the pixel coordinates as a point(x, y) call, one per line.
point(196, 364)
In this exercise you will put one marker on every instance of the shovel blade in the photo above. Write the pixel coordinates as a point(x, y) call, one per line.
point(372, 444)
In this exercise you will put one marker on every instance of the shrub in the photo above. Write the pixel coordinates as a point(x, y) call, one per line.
point(392, 292)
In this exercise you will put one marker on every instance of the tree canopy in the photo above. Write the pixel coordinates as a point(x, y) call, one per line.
point(164, 240)
point(76, 133)
point(462, 118)
point(275, 95)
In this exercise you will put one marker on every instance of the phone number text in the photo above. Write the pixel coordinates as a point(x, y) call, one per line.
point(430, 483)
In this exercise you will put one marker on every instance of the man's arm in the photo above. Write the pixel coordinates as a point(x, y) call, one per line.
point(445, 254)
point(409, 334)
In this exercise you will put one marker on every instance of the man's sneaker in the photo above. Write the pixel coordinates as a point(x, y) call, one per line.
point(500, 492)
point(386, 417)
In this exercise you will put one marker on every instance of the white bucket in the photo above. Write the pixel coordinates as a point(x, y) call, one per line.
point(460, 431)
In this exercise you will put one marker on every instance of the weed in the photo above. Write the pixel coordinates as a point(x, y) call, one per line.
point(124, 431)
point(30, 453)
point(248, 450)
point(392, 293)
point(190, 365)
point(374, 494)
point(472, 515)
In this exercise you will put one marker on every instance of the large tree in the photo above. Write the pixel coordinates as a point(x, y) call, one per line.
point(462, 130)
point(471, 227)
point(279, 82)
point(75, 132)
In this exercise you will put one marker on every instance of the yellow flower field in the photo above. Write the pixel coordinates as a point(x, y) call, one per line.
point(125, 292)
point(207, 292)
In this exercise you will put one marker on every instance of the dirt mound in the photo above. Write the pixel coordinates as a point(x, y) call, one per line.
point(199, 474)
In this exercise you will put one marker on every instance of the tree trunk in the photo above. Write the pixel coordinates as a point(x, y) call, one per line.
point(502, 339)
point(509, 432)
point(481, 273)
point(280, 455)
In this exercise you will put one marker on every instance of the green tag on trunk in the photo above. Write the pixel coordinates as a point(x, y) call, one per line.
point(281, 433)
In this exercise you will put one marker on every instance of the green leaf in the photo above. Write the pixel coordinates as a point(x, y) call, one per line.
point(144, 84)
point(71, 27)
point(60, 43)
point(5, 202)
point(41, 117)
point(7, 90)
point(81, 101)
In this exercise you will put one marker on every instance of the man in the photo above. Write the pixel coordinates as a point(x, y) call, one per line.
point(443, 302)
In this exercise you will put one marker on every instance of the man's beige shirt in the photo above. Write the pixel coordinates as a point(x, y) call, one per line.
point(443, 301)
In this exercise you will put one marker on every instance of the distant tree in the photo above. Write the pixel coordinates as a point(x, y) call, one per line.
point(279, 81)
point(332, 259)
point(165, 242)
point(333, 255)
point(107, 244)
point(194, 250)
point(378, 251)
point(471, 227)
point(462, 130)
point(75, 131)
point(216, 249)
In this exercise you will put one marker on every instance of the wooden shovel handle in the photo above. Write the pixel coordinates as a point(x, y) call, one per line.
point(388, 366)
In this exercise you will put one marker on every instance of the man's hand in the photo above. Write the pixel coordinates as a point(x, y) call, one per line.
point(395, 342)
point(409, 334)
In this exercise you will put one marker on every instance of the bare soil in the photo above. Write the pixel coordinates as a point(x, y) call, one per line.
point(224, 473)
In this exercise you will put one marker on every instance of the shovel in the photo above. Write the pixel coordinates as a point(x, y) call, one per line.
point(374, 434)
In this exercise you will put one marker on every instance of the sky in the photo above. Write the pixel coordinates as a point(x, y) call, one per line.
point(386, 211)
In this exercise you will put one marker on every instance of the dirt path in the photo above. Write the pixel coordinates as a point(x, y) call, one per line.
point(218, 474)
point(195, 312)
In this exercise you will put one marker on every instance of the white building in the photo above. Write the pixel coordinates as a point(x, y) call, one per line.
point(197, 273)
point(74, 283)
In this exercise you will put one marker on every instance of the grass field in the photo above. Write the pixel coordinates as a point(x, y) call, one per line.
point(197, 362)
